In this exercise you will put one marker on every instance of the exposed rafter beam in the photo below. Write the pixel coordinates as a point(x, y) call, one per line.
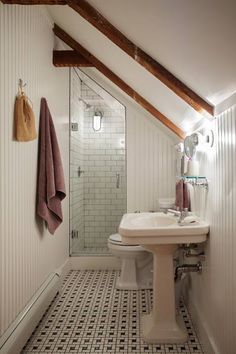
point(103, 25)
point(59, 32)
point(34, 2)
point(69, 58)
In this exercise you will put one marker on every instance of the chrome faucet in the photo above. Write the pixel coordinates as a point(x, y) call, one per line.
point(183, 215)
point(180, 213)
point(175, 212)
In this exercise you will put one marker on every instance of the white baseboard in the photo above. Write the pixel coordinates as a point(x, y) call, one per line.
point(201, 328)
point(62, 271)
point(13, 340)
point(94, 263)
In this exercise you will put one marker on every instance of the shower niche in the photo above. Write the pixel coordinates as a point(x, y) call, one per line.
point(98, 195)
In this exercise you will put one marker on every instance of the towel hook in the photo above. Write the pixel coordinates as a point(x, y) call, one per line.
point(21, 87)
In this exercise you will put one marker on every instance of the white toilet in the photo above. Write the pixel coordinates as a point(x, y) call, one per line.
point(136, 265)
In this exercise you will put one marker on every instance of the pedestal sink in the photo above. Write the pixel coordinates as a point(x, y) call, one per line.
point(160, 234)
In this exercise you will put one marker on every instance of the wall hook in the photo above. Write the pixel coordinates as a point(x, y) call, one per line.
point(21, 86)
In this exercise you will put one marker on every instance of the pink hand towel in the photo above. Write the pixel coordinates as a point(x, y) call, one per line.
point(186, 197)
point(182, 195)
point(179, 196)
point(51, 185)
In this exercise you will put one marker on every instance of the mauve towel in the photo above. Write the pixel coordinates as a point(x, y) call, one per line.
point(186, 199)
point(51, 185)
point(182, 195)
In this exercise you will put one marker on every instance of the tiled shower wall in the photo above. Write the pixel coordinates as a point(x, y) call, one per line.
point(97, 205)
point(104, 162)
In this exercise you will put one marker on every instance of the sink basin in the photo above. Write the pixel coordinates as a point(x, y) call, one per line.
point(160, 228)
point(152, 220)
point(160, 234)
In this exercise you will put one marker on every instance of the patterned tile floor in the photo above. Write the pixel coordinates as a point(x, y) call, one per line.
point(91, 316)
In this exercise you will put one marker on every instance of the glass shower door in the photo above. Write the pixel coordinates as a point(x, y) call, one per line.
point(98, 168)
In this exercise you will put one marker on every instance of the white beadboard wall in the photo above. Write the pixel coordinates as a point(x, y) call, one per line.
point(213, 293)
point(150, 162)
point(28, 253)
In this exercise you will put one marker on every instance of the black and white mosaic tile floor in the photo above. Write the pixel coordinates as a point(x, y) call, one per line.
point(91, 316)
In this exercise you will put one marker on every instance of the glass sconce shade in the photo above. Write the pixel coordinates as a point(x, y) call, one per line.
point(97, 121)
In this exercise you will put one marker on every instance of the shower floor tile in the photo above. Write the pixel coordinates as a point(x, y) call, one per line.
point(91, 316)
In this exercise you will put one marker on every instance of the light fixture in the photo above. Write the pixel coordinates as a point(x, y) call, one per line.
point(97, 121)
point(191, 142)
point(209, 137)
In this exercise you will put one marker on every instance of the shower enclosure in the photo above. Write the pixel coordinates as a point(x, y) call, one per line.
point(97, 165)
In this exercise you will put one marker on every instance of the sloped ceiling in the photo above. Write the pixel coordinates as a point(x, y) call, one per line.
point(195, 40)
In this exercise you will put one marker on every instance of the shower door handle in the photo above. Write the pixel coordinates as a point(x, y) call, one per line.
point(117, 180)
point(79, 171)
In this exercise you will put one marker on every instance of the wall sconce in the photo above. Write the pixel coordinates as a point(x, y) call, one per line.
point(97, 121)
point(191, 142)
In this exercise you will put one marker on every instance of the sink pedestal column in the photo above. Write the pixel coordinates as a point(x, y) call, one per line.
point(162, 325)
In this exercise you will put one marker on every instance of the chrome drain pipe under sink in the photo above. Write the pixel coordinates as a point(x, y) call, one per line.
point(187, 268)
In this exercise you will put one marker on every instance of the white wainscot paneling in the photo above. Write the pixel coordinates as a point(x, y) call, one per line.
point(28, 252)
point(213, 294)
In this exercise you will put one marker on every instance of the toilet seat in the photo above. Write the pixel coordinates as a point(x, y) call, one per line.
point(115, 238)
point(115, 241)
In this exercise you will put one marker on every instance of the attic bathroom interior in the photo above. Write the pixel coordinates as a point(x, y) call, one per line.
point(117, 160)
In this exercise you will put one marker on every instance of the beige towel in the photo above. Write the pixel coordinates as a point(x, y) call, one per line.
point(51, 185)
point(24, 121)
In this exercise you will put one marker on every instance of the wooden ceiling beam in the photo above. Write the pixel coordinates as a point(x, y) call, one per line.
point(69, 58)
point(34, 2)
point(60, 33)
point(94, 17)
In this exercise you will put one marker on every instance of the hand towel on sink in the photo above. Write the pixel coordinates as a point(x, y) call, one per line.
point(179, 197)
point(182, 195)
point(186, 200)
point(51, 185)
